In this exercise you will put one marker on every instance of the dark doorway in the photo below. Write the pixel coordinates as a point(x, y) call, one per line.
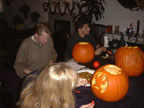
point(60, 36)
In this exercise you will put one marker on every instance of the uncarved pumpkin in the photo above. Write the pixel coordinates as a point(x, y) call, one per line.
point(130, 59)
point(110, 83)
point(83, 52)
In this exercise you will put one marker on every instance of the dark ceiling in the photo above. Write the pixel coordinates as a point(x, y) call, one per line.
point(134, 5)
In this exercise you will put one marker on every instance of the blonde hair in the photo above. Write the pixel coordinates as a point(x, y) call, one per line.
point(52, 88)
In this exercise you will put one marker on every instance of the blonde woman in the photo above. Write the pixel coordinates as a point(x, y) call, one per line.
point(52, 89)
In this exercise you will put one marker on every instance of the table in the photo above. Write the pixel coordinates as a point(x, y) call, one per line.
point(100, 60)
point(133, 99)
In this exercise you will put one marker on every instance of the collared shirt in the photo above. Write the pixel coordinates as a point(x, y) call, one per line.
point(33, 56)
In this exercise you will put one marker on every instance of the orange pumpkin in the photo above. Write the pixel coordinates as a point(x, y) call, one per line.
point(130, 59)
point(110, 83)
point(83, 52)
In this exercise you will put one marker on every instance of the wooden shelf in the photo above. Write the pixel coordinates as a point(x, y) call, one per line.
point(131, 39)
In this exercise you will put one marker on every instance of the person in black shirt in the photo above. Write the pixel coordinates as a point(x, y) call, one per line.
point(82, 34)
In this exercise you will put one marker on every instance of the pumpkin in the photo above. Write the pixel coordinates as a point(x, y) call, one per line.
point(110, 83)
point(83, 52)
point(130, 59)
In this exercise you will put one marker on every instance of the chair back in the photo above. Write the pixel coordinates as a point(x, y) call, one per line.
point(99, 30)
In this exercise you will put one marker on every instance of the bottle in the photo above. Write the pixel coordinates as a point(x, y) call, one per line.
point(122, 41)
point(131, 29)
point(106, 41)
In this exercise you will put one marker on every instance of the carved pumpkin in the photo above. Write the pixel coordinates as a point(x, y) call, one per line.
point(130, 59)
point(110, 83)
point(83, 52)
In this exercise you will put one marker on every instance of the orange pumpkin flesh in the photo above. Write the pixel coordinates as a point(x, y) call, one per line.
point(110, 83)
point(130, 59)
point(83, 52)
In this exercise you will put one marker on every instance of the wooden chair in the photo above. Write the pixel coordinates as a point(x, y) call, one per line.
point(99, 30)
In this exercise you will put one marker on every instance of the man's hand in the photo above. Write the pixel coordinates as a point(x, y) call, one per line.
point(100, 50)
point(27, 71)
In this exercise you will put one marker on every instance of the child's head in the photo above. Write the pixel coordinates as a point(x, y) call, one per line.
point(52, 88)
point(58, 74)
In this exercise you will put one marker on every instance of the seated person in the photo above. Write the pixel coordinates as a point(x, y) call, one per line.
point(53, 88)
point(82, 34)
point(35, 52)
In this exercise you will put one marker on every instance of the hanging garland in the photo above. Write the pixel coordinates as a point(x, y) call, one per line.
point(57, 8)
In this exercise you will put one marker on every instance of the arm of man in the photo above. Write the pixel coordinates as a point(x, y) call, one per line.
point(53, 57)
point(20, 62)
point(54, 53)
point(99, 50)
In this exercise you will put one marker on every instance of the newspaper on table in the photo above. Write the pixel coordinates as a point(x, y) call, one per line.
point(73, 64)
point(79, 68)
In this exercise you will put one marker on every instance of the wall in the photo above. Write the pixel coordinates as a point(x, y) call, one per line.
point(57, 16)
point(13, 8)
point(115, 14)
